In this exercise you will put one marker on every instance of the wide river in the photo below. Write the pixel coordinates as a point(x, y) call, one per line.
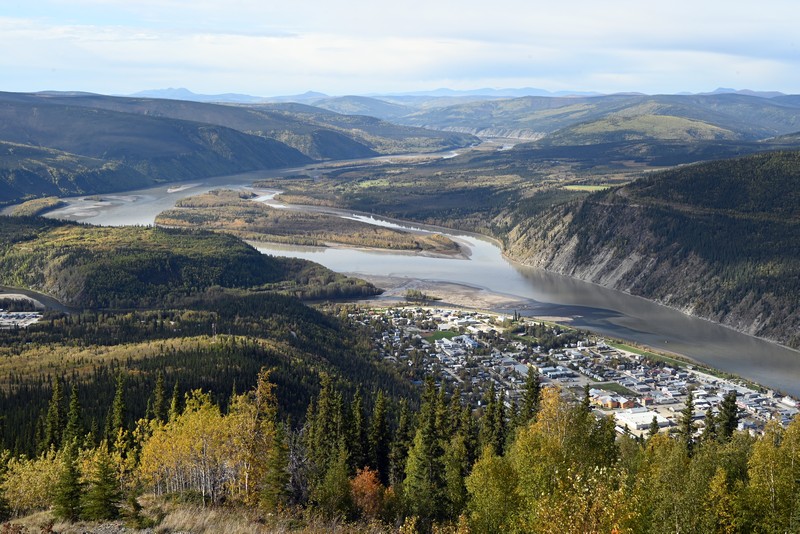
point(536, 292)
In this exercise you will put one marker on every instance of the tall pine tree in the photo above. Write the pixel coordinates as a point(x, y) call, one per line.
point(102, 498)
point(728, 416)
point(159, 405)
point(380, 439)
point(74, 429)
point(686, 424)
point(68, 489)
point(55, 419)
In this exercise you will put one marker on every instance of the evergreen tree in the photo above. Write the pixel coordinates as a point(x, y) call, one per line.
point(159, 406)
point(493, 423)
point(379, 439)
point(423, 487)
point(488, 425)
point(118, 408)
point(586, 401)
point(275, 490)
point(55, 418)
point(710, 429)
point(74, 430)
point(325, 428)
point(102, 498)
point(654, 428)
point(400, 445)
point(175, 402)
point(333, 493)
point(728, 416)
point(67, 498)
point(686, 424)
point(500, 421)
point(442, 413)
point(357, 434)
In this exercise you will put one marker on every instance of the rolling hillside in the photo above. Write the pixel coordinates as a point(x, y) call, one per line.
point(318, 133)
point(719, 240)
point(135, 267)
point(99, 150)
point(28, 171)
point(587, 120)
point(78, 143)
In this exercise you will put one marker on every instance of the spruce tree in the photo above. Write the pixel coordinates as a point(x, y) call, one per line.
point(654, 428)
point(728, 416)
point(55, 418)
point(74, 429)
point(118, 408)
point(424, 482)
point(357, 434)
point(586, 401)
point(333, 493)
point(400, 445)
point(67, 492)
point(379, 439)
point(488, 425)
point(175, 403)
point(501, 427)
point(275, 489)
point(325, 428)
point(159, 405)
point(686, 424)
point(102, 498)
point(710, 429)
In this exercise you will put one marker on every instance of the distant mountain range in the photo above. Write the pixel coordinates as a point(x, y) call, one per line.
point(592, 120)
point(312, 96)
point(563, 118)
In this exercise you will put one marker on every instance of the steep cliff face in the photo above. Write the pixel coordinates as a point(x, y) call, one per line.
point(718, 240)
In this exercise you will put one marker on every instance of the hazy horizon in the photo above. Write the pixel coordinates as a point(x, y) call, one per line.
point(249, 47)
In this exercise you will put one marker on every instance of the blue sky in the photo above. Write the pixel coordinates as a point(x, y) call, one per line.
point(263, 47)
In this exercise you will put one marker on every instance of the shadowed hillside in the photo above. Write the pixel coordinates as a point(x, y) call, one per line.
point(720, 240)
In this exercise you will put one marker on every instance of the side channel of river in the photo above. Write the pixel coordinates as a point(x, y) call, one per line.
point(538, 292)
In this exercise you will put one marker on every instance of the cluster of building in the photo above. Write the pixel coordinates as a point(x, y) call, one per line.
point(476, 350)
point(18, 319)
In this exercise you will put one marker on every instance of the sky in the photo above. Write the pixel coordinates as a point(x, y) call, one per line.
point(269, 48)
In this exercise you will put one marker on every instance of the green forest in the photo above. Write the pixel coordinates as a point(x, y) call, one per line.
point(547, 464)
point(140, 267)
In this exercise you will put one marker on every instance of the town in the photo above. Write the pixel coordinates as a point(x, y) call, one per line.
point(14, 319)
point(474, 351)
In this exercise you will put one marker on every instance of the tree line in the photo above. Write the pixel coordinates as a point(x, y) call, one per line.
point(546, 464)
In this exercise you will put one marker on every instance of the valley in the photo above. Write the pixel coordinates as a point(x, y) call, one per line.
point(532, 291)
point(635, 260)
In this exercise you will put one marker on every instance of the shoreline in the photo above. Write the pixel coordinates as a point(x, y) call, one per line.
point(515, 261)
point(462, 296)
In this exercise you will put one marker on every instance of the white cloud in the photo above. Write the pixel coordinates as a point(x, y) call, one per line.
point(359, 46)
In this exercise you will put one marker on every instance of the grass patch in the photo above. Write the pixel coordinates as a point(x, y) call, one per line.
point(672, 361)
point(441, 334)
point(648, 354)
point(586, 188)
point(615, 388)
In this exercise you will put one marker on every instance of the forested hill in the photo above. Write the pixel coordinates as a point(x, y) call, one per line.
point(135, 267)
point(720, 240)
point(71, 144)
